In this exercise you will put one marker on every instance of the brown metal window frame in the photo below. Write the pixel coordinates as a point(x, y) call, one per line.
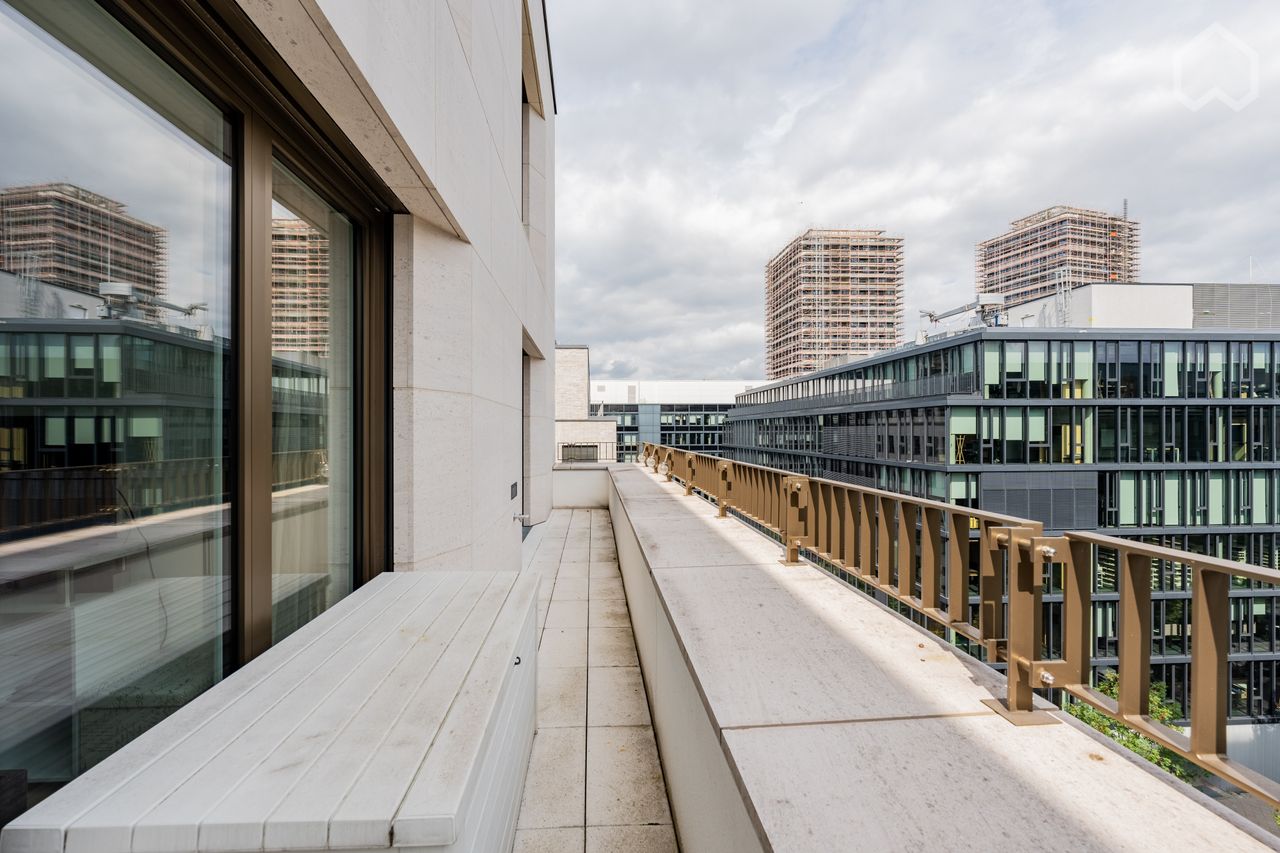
point(273, 115)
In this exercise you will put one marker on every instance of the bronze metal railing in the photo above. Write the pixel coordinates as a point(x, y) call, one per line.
point(919, 552)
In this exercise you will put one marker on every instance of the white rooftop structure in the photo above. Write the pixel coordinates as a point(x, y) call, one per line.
point(669, 390)
point(1127, 305)
point(1152, 305)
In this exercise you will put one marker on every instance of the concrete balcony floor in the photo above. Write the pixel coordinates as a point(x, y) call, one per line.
point(595, 782)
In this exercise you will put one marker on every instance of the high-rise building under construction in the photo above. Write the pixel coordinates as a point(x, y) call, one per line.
point(831, 294)
point(68, 236)
point(300, 287)
point(1057, 249)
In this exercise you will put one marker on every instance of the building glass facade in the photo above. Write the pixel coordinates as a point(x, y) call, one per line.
point(1169, 437)
point(694, 426)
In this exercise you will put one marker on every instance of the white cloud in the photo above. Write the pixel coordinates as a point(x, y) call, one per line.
point(696, 138)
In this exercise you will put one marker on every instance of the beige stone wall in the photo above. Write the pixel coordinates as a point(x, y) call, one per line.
point(430, 93)
point(572, 381)
point(587, 431)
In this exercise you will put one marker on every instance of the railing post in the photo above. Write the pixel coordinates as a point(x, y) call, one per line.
point(818, 529)
point(1023, 587)
point(724, 480)
point(795, 512)
point(906, 554)
point(848, 526)
point(866, 521)
point(884, 541)
point(990, 588)
point(931, 558)
point(1028, 553)
point(690, 461)
point(1134, 694)
point(1210, 620)
point(958, 567)
point(1077, 613)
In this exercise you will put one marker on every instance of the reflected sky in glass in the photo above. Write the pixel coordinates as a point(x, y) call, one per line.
point(79, 126)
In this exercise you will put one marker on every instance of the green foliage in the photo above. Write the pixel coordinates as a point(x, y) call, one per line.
point(1162, 710)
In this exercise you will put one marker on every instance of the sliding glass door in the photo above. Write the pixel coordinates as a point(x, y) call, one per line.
point(192, 372)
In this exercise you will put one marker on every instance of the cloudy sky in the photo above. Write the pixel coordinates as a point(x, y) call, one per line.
point(696, 137)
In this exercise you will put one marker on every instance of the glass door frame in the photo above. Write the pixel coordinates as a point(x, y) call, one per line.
point(273, 115)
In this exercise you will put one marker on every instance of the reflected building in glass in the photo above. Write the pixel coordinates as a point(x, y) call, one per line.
point(114, 510)
point(299, 287)
point(117, 501)
point(115, 590)
point(66, 235)
point(1169, 436)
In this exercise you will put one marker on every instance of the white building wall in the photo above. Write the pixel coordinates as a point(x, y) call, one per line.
point(587, 431)
point(1111, 306)
point(573, 367)
point(430, 93)
point(669, 391)
point(573, 422)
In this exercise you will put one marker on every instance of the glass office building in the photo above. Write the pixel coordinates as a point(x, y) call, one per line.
point(693, 426)
point(1166, 436)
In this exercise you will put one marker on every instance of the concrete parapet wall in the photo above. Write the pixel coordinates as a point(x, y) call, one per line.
point(708, 808)
point(580, 486)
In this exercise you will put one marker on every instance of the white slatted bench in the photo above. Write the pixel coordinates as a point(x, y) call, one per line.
point(397, 720)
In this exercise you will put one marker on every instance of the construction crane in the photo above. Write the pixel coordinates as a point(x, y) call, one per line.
point(114, 293)
point(988, 307)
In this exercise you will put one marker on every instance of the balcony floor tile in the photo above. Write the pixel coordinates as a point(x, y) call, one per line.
point(632, 839)
point(617, 697)
point(550, 841)
point(624, 778)
point(554, 788)
point(563, 647)
point(567, 614)
point(562, 696)
point(606, 588)
point(611, 647)
point(608, 613)
point(623, 770)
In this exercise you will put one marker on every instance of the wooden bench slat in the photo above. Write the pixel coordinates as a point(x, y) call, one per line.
point(434, 805)
point(173, 822)
point(110, 827)
point(239, 820)
point(406, 693)
point(365, 817)
point(299, 817)
point(42, 828)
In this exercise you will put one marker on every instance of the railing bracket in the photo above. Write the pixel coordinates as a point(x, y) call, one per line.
point(1021, 718)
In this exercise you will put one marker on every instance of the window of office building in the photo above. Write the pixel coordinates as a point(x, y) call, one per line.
point(190, 309)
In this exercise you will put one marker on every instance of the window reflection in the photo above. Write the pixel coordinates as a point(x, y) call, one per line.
point(311, 344)
point(114, 304)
